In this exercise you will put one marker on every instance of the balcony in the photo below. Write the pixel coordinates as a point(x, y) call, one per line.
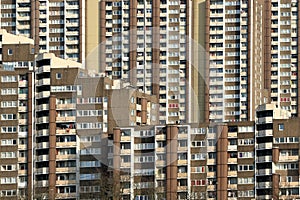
point(43, 183)
point(182, 175)
point(160, 137)
point(232, 147)
point(65, 169)
point(23, 96)
point(125, 164)
point(160, 163)
point(42, 158)
point(232, 186)
point(23, 83)
point(232, 135)
point(66, 157)
point(288, 158)
point(65, 182)
point(125, 138)
point(44, 81)
point(181, 188)
point(160, 150)
point(288, 184)
point(42, 145)
point(160, 176)
point(232, 173)
point(265, 120)
point(211, 174)
point(66, 119)
point(125, 151)
point(44, 170)
point(211, 188)
point(264, 159)
point(41, 120)
point(65, 106)
point(44, 132)
point(65, 195)
point(22, 134)
point(66, 144)
point(22, 159)
point(22, 109)
point(182, 162)
point(264, 185)
point(264, 172)
point(22, 121)
point(45, 68)
point(22, 147)
point(264, 133)
point(42, 107)
point(232, 160)
point(65, 131)
point(267, 145)
point(45, 94)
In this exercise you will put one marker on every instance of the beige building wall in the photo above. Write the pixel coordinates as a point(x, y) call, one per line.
point(198, 60)
point(92, 35)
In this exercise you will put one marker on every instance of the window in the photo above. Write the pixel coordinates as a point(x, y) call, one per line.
point(8, 168)
point(8, 116)
point(90, 163)
point(246, 167)
point(6, 79)
point(8, 154)
point(200, 169)
point(4, 193)
point(8, 129)
point(125, 159)
point(200, 156)
point(8, 180)
point(90, 151)
point(198, 182)
point(96, 125)
point(9, 51)
point(58, 75)
point(144, 159)
point(8, 142)
point(281, 127)
point(8, 91)
point(247, 180)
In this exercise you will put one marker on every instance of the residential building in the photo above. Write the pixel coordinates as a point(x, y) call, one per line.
point(233, 160)
point(55, 26)
point(251, 57)
point(234, 75)
point(55, 119)
point(146, 43)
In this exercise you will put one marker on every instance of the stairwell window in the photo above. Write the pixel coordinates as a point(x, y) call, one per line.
point(10, 52)
point(281, 127)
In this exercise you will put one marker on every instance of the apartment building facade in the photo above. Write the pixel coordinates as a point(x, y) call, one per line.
point(234, 75)
point(252, 57)
point(55, 116)
point(234, 160)
point(55, 26)
point(146, 43)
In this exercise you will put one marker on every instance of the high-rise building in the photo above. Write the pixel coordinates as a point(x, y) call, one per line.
point(234, 43)
point(234, 160)
point(55, 26)
point(252, 57)
point(147, 43)
point(283, 56)
point(55, 119)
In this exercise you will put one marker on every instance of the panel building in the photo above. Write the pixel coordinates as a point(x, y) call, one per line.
point(234, 160)
point(55, 26)
point(250, 57)
point(55, 119)
point(146, 43)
